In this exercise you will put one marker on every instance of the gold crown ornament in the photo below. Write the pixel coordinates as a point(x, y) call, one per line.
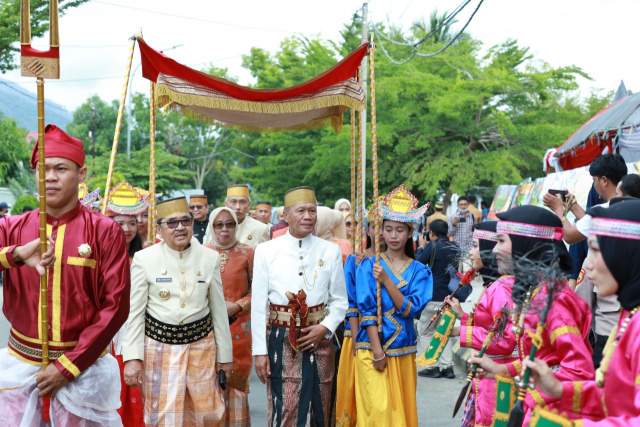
point(86, 196)
point(401, 206)
point(125, 199)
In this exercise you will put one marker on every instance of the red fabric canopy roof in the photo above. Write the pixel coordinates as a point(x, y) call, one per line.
point(154, 63)
point(316, 103)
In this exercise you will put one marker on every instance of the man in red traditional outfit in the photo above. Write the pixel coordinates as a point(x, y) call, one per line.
point(88, 299)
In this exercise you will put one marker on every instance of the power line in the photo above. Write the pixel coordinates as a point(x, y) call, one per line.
point(192, 18)
point(414, 46)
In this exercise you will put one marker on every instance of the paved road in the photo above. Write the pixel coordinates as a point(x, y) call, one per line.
point(436, 397)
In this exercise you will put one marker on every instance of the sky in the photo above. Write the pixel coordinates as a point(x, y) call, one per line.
point(596, 35)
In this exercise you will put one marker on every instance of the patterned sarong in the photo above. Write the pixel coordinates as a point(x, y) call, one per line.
point(237, 408)
point(171, 400)
point(299, 388)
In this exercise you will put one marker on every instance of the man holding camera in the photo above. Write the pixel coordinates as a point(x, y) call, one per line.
point(461, 225)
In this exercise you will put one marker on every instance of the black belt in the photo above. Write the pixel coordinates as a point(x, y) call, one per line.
point(177, 334)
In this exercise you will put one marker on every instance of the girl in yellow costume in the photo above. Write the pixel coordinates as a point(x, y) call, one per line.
point(346, 381)
point(385, 369)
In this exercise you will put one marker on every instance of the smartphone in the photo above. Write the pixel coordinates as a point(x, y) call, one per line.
point(222, 379)
point(563, 193)
point(463, 219)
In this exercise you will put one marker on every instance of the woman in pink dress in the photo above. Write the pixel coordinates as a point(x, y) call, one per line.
point(474, 326)
point(533, 234)
point(612, 397)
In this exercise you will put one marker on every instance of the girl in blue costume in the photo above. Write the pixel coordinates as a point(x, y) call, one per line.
point(386, 370)
point(346, 381)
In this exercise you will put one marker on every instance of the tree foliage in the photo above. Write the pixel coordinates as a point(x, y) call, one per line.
point(464, 119)
point(14, 150)
point(10, 26)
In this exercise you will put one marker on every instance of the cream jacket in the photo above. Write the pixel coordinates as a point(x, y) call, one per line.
point(176, 287)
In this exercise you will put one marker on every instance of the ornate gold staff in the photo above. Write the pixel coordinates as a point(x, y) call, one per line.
point(41, 65)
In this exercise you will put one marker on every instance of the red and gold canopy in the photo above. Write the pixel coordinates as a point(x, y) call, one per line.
point(317, 103)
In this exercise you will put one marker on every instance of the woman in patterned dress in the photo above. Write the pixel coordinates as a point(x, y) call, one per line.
point(236, 269)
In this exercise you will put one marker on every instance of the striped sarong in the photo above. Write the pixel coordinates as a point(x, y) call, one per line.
point(179, 385)
point(299, 388)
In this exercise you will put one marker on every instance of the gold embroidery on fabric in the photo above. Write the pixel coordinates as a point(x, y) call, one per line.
point(56, 310)
point(389, 315)
point(368, 318)
point(400, 351)
point(577, 396)
point(81, 262)
point(406, 311)
point(3, 258)
point(637, 380)
point(69, 366)
point(345, 420)
point(397, 273)
point(567, 329)
point(535, 394)
point(38, 341)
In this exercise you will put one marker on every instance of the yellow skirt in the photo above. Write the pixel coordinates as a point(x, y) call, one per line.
point(389, 397)
point(346, 386)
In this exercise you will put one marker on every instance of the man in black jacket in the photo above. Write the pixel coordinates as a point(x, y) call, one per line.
point(438, 254)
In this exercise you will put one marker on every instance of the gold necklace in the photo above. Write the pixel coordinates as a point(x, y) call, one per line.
point(610, 348)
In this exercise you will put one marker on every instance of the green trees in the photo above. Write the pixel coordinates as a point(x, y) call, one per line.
point(10, 26)
point(464, 119)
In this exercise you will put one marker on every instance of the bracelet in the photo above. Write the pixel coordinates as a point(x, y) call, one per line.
point(377, 360)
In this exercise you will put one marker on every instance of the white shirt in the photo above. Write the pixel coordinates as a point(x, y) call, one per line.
point(584, 223)
point(277, 265)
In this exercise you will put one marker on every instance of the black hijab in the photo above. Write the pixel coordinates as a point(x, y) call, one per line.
point(489, 271)
point(535, 249)
point(622, 255)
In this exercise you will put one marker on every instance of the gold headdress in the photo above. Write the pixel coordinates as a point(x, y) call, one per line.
point(125, 199)
point(400, 205)
point(300, 195)
point(172, 207)
point(85, 196)
point(238, 190)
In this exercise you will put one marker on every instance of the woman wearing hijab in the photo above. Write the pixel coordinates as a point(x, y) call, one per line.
point(385, 364)
point(236, 270)
point(481, 404)
point(529, 234)
point(343, 205)
point(331, 227)
point(612, 397)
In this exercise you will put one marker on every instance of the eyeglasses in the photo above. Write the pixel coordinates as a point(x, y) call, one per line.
point(197, 207)
point(173, 223)
point(221, 225)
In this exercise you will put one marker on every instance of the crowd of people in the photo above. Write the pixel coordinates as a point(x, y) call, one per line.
point(167, 328)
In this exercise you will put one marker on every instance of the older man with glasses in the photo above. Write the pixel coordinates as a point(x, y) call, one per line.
point(178, 327)
point(199, 207)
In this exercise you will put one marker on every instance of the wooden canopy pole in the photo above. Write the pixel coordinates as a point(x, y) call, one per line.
point(41, 65)
point(116, 136)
